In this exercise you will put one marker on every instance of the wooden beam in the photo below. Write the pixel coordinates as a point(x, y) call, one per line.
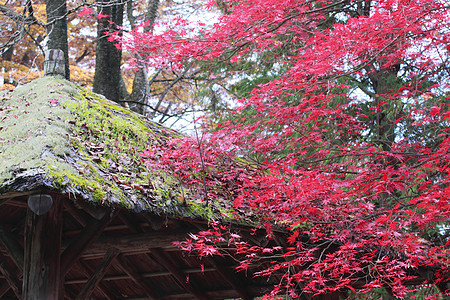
point(114, 227)
point(159, 239)
point(4, 201)
point(134, 243)
point(96, 211)
point(10, 276)
point(177, 273)
point(220, 293)
point(230, 278)
point(18, 203)
point(42, 274)
point(86, 270)
point(128, 268)
point(11, 195)
point(98, 274)
point(4, 288)
point(89, 255)
point(83, 240)
point(144, 275)
point(12, 246)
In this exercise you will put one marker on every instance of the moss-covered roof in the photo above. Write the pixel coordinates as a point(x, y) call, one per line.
point(59, 136)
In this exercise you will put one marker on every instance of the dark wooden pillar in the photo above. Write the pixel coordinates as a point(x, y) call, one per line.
point(42, 275)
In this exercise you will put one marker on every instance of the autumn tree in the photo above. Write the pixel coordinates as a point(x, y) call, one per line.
point(164, 95)
point(344, 145)
point(29, 28)
point(22, 29)
point(141, 85)
point(57, 29)
point(108, 58)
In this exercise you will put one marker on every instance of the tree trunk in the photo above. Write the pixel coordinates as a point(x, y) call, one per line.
point(108, 58)
point(57, 29)
point(141, 88)
point(140, 92)
point(383, 82)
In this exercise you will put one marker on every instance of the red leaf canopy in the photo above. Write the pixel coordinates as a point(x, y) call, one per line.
point(347, 147)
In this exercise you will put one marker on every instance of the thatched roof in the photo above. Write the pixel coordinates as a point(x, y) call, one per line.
point(62, 137)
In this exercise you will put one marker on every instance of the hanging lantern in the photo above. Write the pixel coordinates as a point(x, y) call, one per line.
point(40, 203)
point(54, 63)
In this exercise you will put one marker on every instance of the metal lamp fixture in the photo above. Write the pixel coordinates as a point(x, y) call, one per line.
point(54, 63)
point(40, 203)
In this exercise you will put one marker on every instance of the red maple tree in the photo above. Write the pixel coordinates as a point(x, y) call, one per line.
point(359, 179)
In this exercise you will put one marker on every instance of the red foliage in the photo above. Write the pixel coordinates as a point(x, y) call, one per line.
point(357, 208)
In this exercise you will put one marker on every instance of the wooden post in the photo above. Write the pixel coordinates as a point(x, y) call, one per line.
point(54, 63)
point(42, 276)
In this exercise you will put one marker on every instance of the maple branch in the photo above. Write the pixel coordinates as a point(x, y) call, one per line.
point(169, 87)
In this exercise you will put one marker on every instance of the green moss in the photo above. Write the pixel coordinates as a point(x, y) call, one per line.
point(88, 146)
point(31, 130)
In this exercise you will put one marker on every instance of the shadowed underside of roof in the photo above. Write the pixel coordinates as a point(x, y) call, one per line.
point(115, 253)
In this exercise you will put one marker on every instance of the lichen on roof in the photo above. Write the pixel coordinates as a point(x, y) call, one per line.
point(60, 136)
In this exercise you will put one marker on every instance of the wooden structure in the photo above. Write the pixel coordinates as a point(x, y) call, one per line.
point(109, 233)
point(78, 251)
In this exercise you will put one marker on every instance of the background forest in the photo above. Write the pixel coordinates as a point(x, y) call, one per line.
point(165, 95)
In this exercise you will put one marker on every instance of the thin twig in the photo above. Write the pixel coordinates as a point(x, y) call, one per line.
point(201, 159)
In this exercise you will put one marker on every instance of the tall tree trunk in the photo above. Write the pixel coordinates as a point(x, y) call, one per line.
point(57, 29)
point(141, 88)
point(384, 81)
point(107, 78)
